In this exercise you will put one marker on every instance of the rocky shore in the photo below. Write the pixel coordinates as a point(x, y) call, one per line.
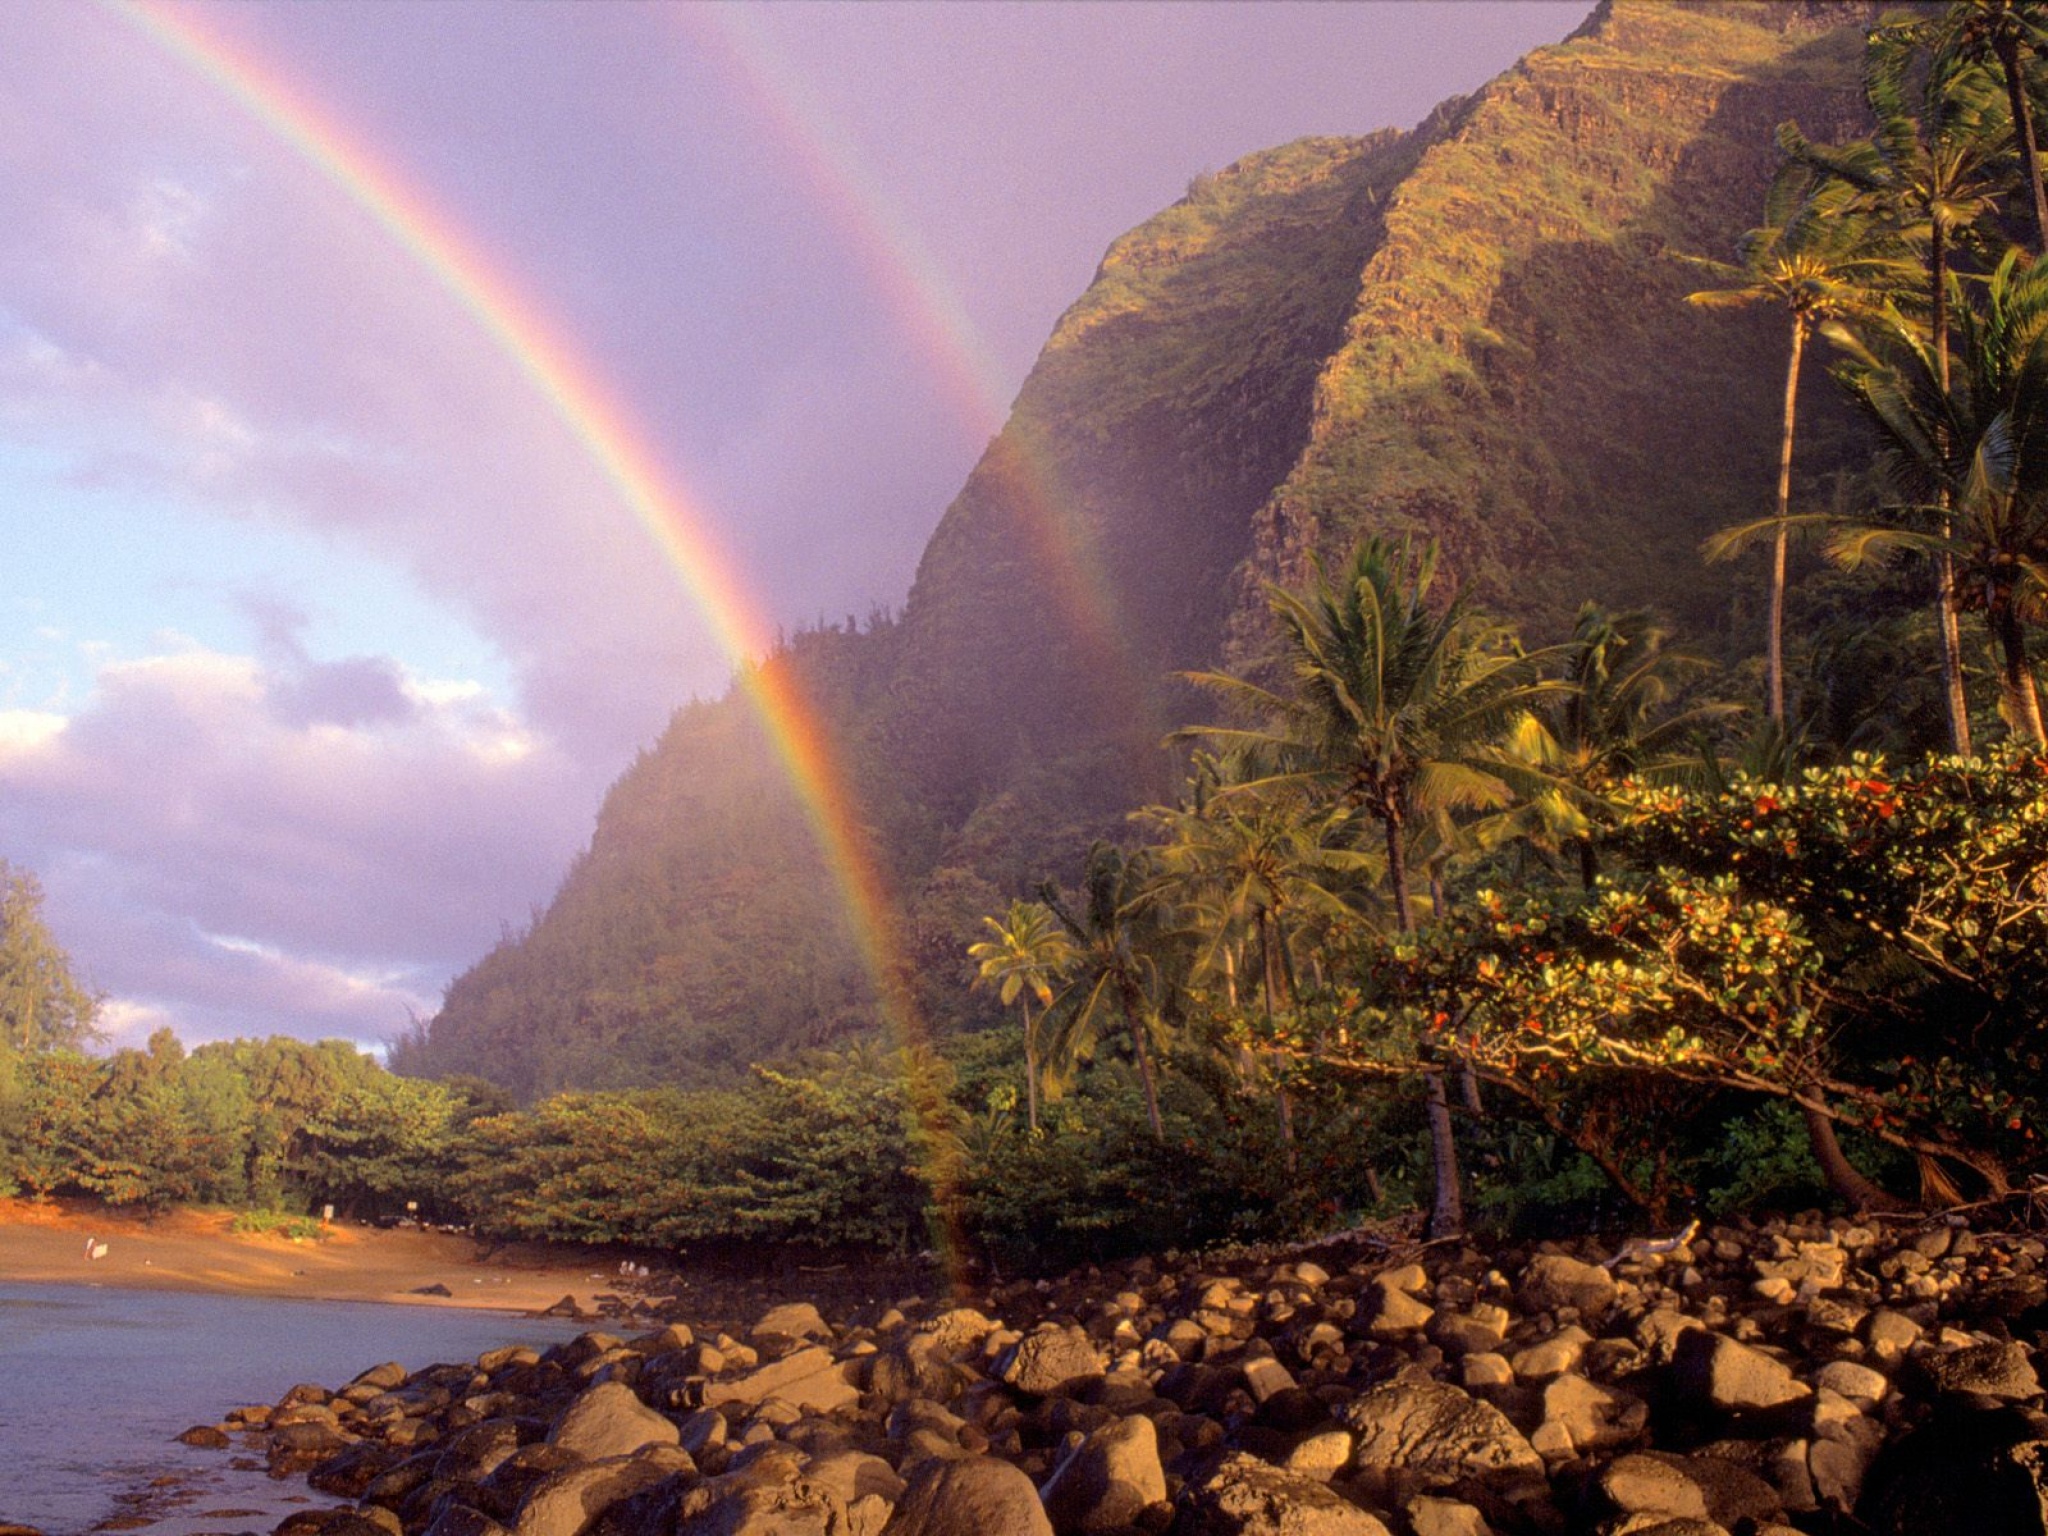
point(1757, 1380)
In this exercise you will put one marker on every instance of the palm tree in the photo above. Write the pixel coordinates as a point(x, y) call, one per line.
point(1932, 172)
point(1820, 261)
point(2001, 31)
point(1396, 714)
point(1116, 974)
point(1246, 867)
point(1029, 950)
point(1614, 719)
point(1397, 709)
point(1972, 455)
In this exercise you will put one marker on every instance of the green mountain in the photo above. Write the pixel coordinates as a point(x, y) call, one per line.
point(1473, 330)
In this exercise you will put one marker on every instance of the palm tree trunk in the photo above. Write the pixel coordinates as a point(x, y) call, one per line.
point(2016, 677)
point(1589, 863)
point(1397, 870)
point(1843, 1177)
point(2007, 47)
point(1142, 1052)
point(1953, 694)
point(1776, 642)
point(1269, 958)
point(1030, 1070)
point(1447, 1213)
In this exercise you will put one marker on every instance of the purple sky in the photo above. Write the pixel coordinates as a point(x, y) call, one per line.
point(320, 637)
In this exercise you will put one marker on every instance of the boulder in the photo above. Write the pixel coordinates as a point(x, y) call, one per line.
point(977, 1496)
point(1051, 1358)
point(1965, 1469)
point(1244, 1496)
point(1687, 1487)
point(608, 1420)
point(1108, 1478)
point(565, 1503)
point(1580, 1416)
point(1434, 1434)
point(1552, 1281)
point(2000, 1369)
point(1711, 1370)
point(810, 1379)
point(792, 1320)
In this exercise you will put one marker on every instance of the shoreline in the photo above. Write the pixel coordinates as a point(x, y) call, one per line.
point(44, 1243)
point(192, 1249)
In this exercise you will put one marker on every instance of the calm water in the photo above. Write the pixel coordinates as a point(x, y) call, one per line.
point(96, 1383)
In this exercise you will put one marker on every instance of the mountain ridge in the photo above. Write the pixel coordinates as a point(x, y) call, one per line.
point(1472, 330)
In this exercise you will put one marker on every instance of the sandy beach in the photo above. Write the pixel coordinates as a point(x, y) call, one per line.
point(194, 1250)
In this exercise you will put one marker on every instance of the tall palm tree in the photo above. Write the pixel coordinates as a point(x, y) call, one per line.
point(1933, 172)
point(1396, 713)
point(1972, 456)
point(1816, 258)
point(1027, 953)
point(1117, 975)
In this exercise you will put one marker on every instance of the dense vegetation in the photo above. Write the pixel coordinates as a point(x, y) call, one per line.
point(1436, 914)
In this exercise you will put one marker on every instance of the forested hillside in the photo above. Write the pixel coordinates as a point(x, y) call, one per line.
point(1474, 330)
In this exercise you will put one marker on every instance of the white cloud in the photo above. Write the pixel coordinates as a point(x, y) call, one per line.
point(235, 867)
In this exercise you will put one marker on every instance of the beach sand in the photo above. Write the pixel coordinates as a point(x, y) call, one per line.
point(194, 1250)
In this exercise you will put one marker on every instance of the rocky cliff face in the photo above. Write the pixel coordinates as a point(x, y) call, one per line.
point(1473, 331)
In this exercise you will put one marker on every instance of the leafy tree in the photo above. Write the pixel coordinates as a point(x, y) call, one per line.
point(1028, 952)
point(43, 1006)
point(1117, 977)
point(1614, 719)
point(1397, 712)
point(1245, 871)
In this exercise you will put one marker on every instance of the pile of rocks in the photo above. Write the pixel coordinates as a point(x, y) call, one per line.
point(1764, 1378)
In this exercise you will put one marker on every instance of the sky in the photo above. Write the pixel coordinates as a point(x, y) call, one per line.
point(405, 407)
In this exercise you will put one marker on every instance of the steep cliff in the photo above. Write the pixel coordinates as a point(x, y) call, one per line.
point(1473, 330)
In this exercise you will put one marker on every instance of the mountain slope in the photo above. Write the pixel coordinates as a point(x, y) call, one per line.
point(1474, 330)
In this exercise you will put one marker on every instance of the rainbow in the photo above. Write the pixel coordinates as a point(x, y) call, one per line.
point(607, 434)
point(925, 304)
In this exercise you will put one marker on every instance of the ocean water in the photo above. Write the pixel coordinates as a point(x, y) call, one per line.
point(96, 1383)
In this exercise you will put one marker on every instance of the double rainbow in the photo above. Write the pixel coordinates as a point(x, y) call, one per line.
point(607, 434)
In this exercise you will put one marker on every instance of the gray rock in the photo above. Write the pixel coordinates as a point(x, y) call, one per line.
point(1112, 1475)
point(1445, 1517)
point(978, 1496)
point(810, 1378)
point(1687, 1487)
point(1552, 1281)
point(1243, 1496)
point(1434, 1434)
point(1962, 1471)
point(608, 1420)
point(2001, 1370)
point(1711, 1370)
point(792, 1320)
point(566, 1502)
point(1579, 1416)
point(1052, 1358)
